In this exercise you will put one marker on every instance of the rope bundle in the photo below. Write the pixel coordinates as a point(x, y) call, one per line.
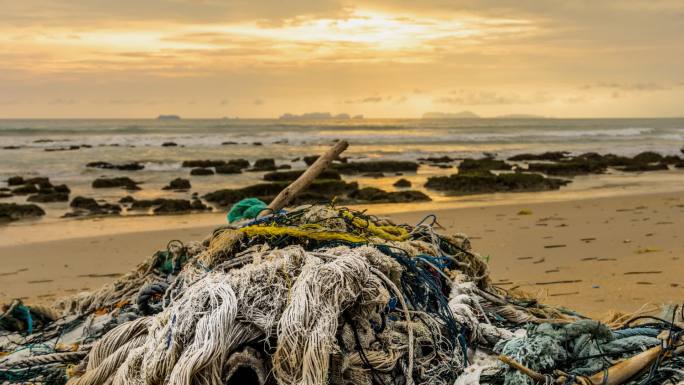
point(314, 296)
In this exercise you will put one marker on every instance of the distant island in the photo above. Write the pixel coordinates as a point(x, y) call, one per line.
point(450, 115)
point(168, 117)
point(318, 116)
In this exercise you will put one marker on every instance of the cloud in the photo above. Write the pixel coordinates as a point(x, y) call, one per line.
point(646, 86)
point(474, 97)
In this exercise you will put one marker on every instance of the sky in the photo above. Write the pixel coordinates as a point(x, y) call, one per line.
point(379, 58)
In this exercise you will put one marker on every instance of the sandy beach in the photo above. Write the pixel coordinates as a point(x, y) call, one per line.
point(593, 255)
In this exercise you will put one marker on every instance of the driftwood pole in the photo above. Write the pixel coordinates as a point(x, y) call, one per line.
point(304, 180)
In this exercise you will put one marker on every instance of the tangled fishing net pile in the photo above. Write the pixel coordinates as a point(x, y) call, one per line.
point(323, 295)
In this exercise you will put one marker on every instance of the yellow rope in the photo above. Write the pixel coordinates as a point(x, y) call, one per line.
point(387, 232)
point(307, 231)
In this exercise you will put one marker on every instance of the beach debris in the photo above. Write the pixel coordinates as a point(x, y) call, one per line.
point(323, 294)
point(554, 246)
point(645, 250)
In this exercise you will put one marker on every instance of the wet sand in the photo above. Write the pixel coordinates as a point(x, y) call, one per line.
point(592, 255)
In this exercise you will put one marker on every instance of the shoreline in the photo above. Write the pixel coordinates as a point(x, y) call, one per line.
point(83, 254)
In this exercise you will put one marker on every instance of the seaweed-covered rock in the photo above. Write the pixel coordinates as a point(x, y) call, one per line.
point(487, 182)
point(61, 188)
point(242, 163)
point(569, 168)
point(47, 197)
point(228, 169)
point(14, 211)
point(285, 176)
point(647, 157)
point(201, 171)
point(484, 164)
point(441, 159)
point(402, 183)
point(133, 166)
point(15, 181)
point(84, 206)
point(124, 181)
point(25, 190)
point(374, 166)
point(170, 206)
point(178, 184)
point(640, 167)
point(549, 155)
point(202, 163)
point(376, 195)
point(319, 190)
point(169, 144)
point(265, 164)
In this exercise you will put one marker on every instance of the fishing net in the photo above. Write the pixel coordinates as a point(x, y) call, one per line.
point(323, 295)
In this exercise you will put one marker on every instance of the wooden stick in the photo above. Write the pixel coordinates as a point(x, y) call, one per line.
point(537, 377)
point(304, 180)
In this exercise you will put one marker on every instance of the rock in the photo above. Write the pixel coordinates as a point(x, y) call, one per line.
point(15, 181)
point(242, 163)
point(309, 160)
point(4, 189)
point(11, 147)
point(671, 159)
point(229, 143)
point(549, 155)
point(169, 206)
point(289, 176)
point(127, 199)
point(284, 167)
point(402, 183)
point(202, 163)
point(124, 182)
point(484, 164)
point(441, 159)
point(5, 195)
point(569, 168)
point(25, 190)
point(88, 206)
point(228, 169)
point(640, 167)
point(49, 197)
point(43, 141)
point(647, 157)
point(39, 180)
point(319, 190)
point(265, 164)
point(374, 175)
point(169, 144)
point(178, 184)
point(487, 182)
point(134, 166)
point(376, 195)
point(61, 188)
point(374, 166)
point(201, 171)
point(257, 144)
point(14, 211)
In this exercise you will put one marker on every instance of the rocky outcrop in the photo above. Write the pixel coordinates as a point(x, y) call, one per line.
point(84, 206)
point(487, 182)
point(122, 182)
point(483, 164)
point(376, 195)
point(374, 166)
point(15, 212)
point(178, 184)
point(549, 156)
point(201, 171)
point(133, 166)
point(289, 176)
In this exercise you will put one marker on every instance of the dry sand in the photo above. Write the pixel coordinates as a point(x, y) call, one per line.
point(610, 253)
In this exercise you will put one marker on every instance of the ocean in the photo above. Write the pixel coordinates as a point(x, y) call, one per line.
point(26, 143)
